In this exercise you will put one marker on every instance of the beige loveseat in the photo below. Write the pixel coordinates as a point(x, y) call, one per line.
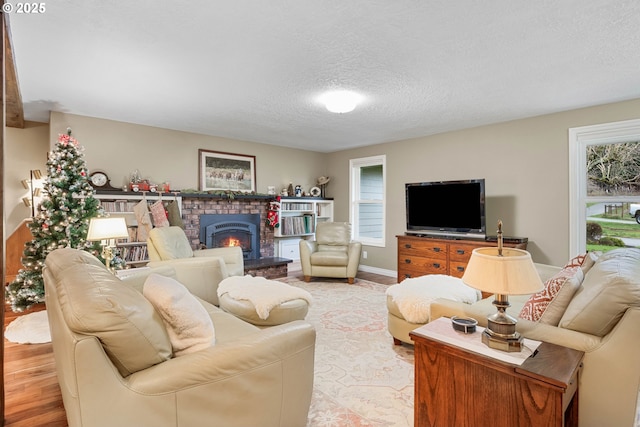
point(603, 320)
point(115, 364)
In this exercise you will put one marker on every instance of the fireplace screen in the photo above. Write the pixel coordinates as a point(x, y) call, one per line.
point(219, 231)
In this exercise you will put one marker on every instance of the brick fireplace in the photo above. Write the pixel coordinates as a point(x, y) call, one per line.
point(197, 206)
point(193, 207)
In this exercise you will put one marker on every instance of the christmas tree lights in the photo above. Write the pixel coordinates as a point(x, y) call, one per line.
point(61, 220)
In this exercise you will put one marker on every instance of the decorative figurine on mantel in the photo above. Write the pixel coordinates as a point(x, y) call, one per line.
point(322, 183)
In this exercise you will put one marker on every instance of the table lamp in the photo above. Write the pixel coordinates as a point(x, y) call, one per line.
point(107, 230)
point(503, 272)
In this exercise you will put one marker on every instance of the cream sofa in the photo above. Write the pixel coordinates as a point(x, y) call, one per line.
point(603, 320)
point(115, 365)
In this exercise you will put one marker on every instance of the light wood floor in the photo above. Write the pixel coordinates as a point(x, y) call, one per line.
point(32, 393)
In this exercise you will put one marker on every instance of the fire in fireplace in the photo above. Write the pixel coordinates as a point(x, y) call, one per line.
point(223, 230)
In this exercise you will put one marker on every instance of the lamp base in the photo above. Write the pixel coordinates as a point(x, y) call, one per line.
point(509, 343)
point(107, 254)
point(501, 334)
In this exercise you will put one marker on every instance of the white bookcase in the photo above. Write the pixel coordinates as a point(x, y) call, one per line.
point(298, 219)
point(121, 204)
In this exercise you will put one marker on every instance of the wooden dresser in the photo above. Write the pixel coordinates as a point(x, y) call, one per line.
point(418, 256)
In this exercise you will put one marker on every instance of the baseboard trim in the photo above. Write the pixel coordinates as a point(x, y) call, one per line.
point(376, 270)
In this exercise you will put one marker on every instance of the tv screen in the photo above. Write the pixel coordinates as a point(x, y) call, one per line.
point(446, 208)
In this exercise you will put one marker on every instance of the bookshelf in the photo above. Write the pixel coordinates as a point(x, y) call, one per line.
point(121, 204)
point(298, 219)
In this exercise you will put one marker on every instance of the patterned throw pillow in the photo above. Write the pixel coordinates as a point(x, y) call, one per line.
point(548, 305)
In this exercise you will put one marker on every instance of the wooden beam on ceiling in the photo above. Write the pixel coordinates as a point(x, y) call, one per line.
point(14, 111)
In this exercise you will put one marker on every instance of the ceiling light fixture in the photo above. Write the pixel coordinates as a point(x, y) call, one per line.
point(340, 101)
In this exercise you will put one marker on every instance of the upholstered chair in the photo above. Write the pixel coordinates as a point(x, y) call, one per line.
point(202, 269)
point(332, 253)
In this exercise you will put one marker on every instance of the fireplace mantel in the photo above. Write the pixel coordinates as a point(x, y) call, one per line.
point(227, 196)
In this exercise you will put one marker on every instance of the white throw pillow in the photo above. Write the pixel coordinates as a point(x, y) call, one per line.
point(188, 324)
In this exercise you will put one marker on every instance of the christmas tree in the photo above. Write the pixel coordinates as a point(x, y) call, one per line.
point(61, 220)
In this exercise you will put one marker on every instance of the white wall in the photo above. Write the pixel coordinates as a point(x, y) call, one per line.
point(525, 164)
point(166, 155)
point(25, 150)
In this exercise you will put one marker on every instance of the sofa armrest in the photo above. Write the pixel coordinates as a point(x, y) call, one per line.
point(532, 330)
point(200, 275)
point(232, 256)
point(289, 344)
point(307, 247)
point(355, 249)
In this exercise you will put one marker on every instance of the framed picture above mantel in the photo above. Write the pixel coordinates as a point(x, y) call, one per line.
point(220, 171)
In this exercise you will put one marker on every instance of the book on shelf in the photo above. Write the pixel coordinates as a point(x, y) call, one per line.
point(292, 225)
point(134, 253)
point(296, 206)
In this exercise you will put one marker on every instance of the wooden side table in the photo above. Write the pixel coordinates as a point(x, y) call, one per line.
point(458, 387)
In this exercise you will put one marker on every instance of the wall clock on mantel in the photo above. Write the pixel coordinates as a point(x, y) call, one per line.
point(100, 180)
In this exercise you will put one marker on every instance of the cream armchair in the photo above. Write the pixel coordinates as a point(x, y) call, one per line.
point(201, 270)
point(332, 254)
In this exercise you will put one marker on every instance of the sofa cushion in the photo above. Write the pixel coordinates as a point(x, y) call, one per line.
point(95, 302)
point(188, 324)
point(610, 287)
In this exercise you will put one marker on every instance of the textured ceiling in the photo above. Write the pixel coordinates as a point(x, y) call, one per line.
point(252, 70)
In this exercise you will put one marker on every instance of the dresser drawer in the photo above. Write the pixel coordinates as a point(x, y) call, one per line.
point(408, 273)
point(456, 268)
point(460, 252)
point(424, 264)
point(424, 248)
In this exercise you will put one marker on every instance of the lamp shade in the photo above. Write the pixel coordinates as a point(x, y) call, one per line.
point(506, 271)
point(107, 228)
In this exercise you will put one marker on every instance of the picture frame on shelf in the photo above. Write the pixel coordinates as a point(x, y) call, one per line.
point(220, 171)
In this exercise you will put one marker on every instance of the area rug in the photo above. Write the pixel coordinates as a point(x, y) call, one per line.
point(361, 378)
point(32, 328)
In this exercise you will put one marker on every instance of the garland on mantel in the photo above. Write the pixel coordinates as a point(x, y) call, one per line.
point(231, 194)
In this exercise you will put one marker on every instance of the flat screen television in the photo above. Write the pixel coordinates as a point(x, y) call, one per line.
point(447, 208)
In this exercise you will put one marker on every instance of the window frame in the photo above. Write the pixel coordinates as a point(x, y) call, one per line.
point(579, 139)
point(355, 166)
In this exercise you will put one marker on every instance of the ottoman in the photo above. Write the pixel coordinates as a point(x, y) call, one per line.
point(409, 302)
point(263, 302)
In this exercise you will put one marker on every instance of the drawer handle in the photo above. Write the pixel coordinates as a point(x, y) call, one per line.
point(407, 276)
point(460, 251)
point(407, 261)
point(407, 245)
point(436, 265)
point(460, 269)
point(436, 249)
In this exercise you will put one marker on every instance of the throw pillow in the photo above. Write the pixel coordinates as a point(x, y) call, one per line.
point(159, 214)
point(548, 305)
point(188, 324)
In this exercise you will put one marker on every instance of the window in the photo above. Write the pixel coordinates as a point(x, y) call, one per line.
point(367, 196)
point(604, 180)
